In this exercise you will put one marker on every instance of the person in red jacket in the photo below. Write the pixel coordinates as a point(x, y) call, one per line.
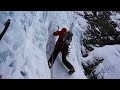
point(61, 47)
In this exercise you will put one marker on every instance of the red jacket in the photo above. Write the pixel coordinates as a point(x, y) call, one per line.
point(61, 34)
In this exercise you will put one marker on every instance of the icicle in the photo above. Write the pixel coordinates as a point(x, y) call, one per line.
point(44, 16)
point(74, 22)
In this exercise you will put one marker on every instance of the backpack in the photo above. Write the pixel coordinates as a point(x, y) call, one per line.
point(68, 38)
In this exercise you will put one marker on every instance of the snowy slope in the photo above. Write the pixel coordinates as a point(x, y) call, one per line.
point(109, 67)
point(104, 62)
point(28, 44)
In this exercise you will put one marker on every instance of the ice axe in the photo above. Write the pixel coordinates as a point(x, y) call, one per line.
point(58, 27)
point(7, 23)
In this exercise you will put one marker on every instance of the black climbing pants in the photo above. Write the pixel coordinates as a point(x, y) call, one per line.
point(54, 55)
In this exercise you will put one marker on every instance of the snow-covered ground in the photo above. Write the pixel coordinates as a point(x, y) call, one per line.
point(28, 44)
point(109, 67)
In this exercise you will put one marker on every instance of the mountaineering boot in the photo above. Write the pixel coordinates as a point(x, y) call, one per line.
point(72, 70)
point(49, 64)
